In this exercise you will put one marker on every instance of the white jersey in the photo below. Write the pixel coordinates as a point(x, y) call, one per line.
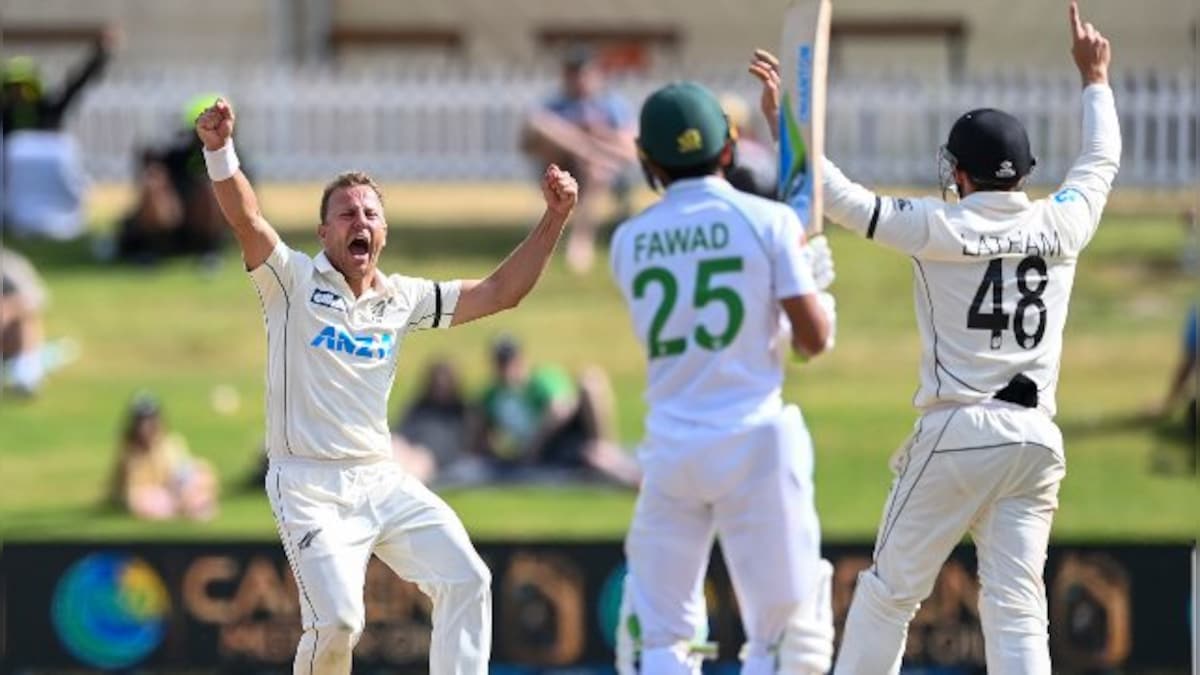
point(331, 357)
point(993, 271)
point(702, 271)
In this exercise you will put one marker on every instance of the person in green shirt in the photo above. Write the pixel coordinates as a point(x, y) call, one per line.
point(539, 417)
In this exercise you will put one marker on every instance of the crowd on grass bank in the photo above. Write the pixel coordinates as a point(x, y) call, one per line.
point(533, 422)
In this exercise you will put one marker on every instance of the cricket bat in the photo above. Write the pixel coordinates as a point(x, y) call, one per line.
point(804, 57)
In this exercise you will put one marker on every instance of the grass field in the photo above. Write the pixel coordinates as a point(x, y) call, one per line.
point(181, 333)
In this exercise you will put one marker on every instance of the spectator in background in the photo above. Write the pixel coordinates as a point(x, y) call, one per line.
point(156, 478)
point(44, 182)
point(540, 418)
point(431, 439)
point(176, 212)
point(1184, 379)
point(587, 130)
point(27, 357)
point(755, 166)
point(26, 105)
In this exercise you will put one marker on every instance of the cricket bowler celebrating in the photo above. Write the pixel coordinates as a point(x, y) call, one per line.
point(710, 275)
point(993, 281)
point(334, 327)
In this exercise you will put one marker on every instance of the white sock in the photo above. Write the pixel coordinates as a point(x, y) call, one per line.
point(25, 370)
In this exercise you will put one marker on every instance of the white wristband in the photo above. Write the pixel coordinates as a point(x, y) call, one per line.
point(221, 163)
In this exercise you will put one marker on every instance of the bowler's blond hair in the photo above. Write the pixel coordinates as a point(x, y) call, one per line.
point(345, 180)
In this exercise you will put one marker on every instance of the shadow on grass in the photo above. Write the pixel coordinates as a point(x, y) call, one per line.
point(1087, 427)
point(1174, 450)
point(43, 523)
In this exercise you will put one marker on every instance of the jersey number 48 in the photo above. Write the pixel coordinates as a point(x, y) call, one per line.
point(997, 321)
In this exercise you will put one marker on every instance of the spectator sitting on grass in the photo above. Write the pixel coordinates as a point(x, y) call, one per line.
point(541, 418)
point(156, 478)
point(176, 212)
point(26, 355)
point(44, 182)
point(431, 438)
point(588, 130)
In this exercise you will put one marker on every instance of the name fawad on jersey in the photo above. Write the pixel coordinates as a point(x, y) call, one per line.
point(365, 346)
point(660, 244)
point(1045, 244)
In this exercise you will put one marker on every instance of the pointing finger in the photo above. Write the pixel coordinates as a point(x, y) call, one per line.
point(1076, 23)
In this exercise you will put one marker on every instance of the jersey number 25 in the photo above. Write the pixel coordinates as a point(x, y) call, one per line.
point(705, 293)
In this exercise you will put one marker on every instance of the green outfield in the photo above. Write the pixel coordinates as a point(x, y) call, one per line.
point(181, 334)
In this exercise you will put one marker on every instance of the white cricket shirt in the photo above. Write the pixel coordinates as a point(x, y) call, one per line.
point(331, 357)
point(993, 272)
point(702, 271)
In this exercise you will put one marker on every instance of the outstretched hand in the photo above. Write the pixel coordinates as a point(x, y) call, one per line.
point(214, 126)
point(1089, 48)
point(560, 190)
point(765, 67)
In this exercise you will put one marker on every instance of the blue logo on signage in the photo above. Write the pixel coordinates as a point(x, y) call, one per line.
point(364, 346)
point(109, 610)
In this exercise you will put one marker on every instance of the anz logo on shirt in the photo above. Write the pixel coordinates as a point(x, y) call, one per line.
point(368, 346)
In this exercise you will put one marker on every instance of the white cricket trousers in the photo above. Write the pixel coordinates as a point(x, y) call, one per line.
point(753, 489)
point(991, 469)
point(332, 516)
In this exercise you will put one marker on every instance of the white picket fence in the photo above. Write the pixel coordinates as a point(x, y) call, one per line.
point(458, 125)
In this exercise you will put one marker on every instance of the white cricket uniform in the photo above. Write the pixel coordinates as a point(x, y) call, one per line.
point(993, 277)
point(336, 492)
point(703, 271)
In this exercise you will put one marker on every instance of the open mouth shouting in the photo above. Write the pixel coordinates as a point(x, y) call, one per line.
point(360, 247)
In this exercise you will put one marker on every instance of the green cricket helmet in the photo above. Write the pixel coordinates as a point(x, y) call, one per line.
point(682, 124)
point(22, 71)
point(196, 106)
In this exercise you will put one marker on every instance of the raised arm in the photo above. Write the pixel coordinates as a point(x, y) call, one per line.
point(765, 67)
point(1100, 157)
point(505, 287)
point(238, 203)
point(102, 50)
point(899, 223)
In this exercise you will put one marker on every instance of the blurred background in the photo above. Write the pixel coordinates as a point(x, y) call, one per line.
point(133, 527)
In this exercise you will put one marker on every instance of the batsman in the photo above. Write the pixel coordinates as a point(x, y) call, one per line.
point(720, 284)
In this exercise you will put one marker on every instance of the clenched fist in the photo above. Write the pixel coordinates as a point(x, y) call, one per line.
point(214, 126)
point(560, 190)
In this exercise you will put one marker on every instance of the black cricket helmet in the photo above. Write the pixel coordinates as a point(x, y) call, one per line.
point(991, 146)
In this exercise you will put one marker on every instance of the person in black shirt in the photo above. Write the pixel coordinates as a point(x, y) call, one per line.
point(25, 103)
point(176, 213)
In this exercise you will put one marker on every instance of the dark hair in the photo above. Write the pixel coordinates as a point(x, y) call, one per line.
point(425, 400)
point(988, 184)
point(706, 168)
point(996, 184)
point(143, 406)
point(505, 348)
point(345, 180)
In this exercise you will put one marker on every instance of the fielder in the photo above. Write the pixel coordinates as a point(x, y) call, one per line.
point(334, 327)
point(710, 275)
point(993, 281)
